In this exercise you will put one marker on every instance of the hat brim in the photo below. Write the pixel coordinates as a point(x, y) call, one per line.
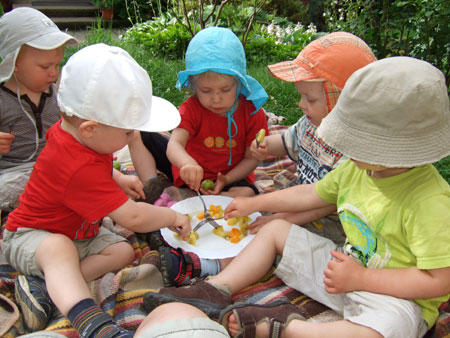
point(45, 42)
point(7, 65)
point(250, 88)
point(183, 76)
point(164, 116)
point(290, 71)
point(389, 151)
point(52, 40)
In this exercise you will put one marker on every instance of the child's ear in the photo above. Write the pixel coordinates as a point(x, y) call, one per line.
point(87, 128)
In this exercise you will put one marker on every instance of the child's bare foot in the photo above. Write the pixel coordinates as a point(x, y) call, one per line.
point(259, 320)
point(262, 328)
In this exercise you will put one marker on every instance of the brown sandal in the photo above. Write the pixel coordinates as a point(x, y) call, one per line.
point(278, 314)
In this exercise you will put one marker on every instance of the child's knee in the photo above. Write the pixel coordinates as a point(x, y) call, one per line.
point(277, 231)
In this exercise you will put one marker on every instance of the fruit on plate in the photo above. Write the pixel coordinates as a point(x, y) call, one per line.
point(207, 185)
point(191, 239)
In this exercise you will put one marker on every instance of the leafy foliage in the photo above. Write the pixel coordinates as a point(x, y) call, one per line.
point(163, 37)
point(417, 28)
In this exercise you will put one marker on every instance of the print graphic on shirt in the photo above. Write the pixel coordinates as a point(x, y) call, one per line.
point(88, 230)
point(363, 241)
point(218, 143)
point(310, 170)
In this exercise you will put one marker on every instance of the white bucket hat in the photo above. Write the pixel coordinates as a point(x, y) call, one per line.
point(25, 25)
point(105, 84)
point(393, 112)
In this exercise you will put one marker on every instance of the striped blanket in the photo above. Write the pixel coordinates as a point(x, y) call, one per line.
point(120, 293)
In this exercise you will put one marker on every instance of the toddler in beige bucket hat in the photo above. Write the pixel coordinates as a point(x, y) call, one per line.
point(392, 113)
point(391, 275)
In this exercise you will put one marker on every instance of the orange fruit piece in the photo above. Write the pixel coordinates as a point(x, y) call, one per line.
point(235, 235)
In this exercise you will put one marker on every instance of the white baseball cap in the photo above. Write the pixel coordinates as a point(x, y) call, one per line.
point(105, 84)
point(25, 25)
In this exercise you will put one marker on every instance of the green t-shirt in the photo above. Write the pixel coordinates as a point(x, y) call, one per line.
point(393, 222)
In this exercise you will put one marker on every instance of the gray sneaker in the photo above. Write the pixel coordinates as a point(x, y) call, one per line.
point(36, 306)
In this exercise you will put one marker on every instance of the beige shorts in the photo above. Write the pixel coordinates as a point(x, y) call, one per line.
point(305, 257)
point(188, 327)
point(20, 246)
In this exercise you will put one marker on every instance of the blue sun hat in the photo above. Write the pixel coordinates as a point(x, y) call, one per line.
point(219, 50)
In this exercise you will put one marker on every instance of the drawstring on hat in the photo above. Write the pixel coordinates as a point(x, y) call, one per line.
point(31, 119)
point(230, 119)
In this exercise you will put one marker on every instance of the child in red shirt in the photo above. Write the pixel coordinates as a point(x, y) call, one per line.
point(220, 120)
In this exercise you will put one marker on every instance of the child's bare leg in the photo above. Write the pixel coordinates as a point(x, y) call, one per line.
point(169, 311)
point(238, 192)
point(301, 329)
point(256, 258)
point(224, 262)
point(114, 257)
point(58, 259)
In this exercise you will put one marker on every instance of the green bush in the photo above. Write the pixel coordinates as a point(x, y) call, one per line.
point(417, 28)
point(162, 37)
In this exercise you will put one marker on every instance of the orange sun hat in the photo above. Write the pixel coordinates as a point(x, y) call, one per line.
point(332, 57)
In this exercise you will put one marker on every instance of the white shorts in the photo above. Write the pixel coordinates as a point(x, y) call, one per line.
point(305, 257)
point(186, 327)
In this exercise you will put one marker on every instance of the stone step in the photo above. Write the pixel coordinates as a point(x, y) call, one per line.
point(68, 11)
point(69, 14)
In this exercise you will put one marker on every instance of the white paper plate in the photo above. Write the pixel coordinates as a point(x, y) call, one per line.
point(208, 245)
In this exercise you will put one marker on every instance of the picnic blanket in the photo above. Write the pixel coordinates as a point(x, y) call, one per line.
point(121, 293)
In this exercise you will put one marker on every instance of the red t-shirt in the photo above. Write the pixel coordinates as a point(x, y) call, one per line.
point(208, 141)
point(69, 191)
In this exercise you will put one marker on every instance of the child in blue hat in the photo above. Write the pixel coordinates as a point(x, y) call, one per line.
point(220, 120)
point(218, 124)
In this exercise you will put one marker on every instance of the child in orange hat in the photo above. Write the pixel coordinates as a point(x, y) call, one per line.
point(319, 73)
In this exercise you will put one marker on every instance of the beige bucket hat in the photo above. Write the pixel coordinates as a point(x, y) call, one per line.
point(393, 112)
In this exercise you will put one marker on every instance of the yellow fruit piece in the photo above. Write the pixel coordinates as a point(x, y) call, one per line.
point(260, 135)
point(191, 239)
point(244, 228)
point(232, 221)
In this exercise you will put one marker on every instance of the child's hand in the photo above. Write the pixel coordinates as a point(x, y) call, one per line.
point(182, 226)
point(240, 206)
point(259, 153)
point(259, 222)
point(5, 142)
point(132, 185)
point(343, 274)
point(192, 175)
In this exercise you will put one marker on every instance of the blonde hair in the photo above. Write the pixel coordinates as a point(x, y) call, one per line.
point(73, 120)
point(208, 74)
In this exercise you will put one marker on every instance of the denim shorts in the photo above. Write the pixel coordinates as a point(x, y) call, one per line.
point(186, 327)
point(305, 257)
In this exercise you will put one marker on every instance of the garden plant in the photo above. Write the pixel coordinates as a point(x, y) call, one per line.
point(161, 30)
